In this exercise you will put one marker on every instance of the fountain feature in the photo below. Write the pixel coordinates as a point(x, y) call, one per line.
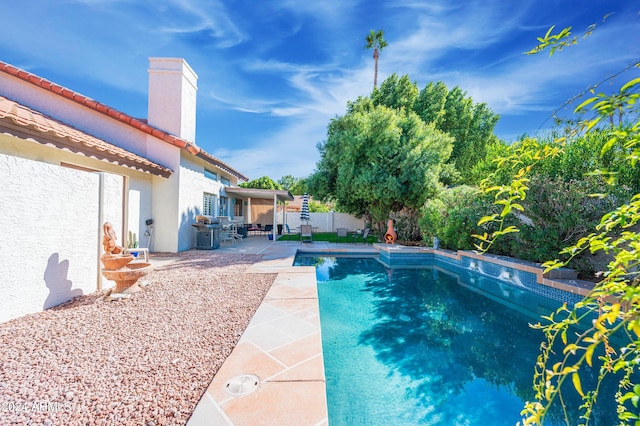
point(117, 265)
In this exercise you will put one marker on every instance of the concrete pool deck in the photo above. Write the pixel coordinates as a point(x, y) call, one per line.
point(281, 346)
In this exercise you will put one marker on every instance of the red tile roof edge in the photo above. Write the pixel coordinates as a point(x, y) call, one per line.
point(77, 141)
point(220, 164)
point(118, 115)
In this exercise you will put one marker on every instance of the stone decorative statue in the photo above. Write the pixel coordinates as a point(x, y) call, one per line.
point(109, 240)
point(390, 236)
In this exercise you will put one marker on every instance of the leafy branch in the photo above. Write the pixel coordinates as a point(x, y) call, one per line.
point(524, 156)
point(613, 304)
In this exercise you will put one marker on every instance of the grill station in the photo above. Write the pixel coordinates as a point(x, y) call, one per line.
point(207, 232)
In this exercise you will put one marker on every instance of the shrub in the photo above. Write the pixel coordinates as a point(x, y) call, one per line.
point(453, 217)
point(405, 223)
point(559, 212)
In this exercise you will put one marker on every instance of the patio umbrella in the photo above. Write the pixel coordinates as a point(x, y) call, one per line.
point(304, 211)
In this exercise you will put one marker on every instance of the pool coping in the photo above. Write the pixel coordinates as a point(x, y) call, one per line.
point(282, 347)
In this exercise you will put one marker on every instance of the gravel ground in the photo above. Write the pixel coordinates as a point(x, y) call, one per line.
point(143, 361)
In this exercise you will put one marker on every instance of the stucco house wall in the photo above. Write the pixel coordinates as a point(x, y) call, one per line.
point(50, 231)
point(53, 201)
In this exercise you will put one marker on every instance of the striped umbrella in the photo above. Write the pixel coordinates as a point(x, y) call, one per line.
point(304, 211)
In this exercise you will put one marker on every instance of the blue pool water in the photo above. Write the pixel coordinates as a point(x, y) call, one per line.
point(408, 346)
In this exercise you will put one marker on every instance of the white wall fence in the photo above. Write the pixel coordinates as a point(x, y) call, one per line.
point(326, 222)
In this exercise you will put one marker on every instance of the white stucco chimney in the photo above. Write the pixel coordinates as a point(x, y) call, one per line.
point(172, 97)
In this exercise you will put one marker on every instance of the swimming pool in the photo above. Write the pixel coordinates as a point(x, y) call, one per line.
point(428, 345)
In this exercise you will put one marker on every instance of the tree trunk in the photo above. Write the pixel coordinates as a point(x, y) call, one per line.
point(376, 54)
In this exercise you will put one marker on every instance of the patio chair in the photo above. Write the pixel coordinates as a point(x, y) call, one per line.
point(295, 231)
point(268, 229)
point(306, 233)
point(341, 232)
point(227, 235)
point(364, 235)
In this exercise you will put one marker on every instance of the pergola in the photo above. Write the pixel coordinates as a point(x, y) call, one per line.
point(263, 194)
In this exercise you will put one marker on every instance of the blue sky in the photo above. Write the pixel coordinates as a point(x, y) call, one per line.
point(273, 73)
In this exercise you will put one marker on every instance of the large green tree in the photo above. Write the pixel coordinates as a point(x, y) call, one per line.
point(377, 160)
point(451, 111)
point(264, 182)
point(375, 40)
point(297, 186)
point(430, 103)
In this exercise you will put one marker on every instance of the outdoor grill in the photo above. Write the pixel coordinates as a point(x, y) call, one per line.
point(207, 232)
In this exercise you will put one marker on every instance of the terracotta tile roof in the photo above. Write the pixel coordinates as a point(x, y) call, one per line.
point(63, 136)
point(118, 115)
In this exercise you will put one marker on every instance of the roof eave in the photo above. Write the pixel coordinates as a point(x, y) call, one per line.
point(136, 123)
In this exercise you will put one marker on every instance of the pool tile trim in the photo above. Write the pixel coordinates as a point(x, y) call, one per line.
point(561, 279)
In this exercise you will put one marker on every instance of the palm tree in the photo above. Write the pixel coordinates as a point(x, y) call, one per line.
point(376, 42)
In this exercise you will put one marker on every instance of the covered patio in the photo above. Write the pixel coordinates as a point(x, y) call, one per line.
point(260, 206)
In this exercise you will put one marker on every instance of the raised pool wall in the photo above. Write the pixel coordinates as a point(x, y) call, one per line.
point(516, 272)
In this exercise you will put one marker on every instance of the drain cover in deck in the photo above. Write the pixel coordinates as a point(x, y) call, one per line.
point(242, 385)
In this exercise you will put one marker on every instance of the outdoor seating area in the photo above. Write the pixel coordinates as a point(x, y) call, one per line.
point(346, 235)
point(258, 229)
point(254, 228)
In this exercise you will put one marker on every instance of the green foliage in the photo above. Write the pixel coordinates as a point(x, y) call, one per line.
point(584, 155)
point(558, 212)
point(614, 302)
point(296, 186)
point(521, 156)
point(396, 93)
point(559, 208)
point(377, 160)
point(488, 165)
point(265, 182)
point(453, 217)
point(471, 125)
point(318, 207)
point(406, 225)
point(430, 103)
point(375, 40)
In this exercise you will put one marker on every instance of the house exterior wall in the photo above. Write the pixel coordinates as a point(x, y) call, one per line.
point(50, 227)
point(193, 185)
point(139, 209)
point(53, 203)
point(84, 119)
point(164, 192)
point(261, 211)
